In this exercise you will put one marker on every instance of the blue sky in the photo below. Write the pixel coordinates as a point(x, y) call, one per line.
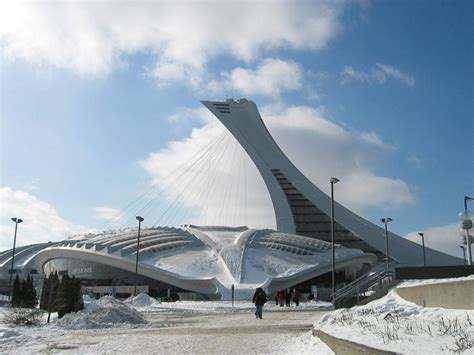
point(93, 95)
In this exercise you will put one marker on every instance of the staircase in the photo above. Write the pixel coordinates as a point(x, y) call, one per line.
point(377, 278)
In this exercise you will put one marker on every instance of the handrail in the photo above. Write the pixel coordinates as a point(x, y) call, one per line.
point(376, 270)
point(365, 281)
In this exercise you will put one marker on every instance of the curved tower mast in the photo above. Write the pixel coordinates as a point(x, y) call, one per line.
point(301, 207)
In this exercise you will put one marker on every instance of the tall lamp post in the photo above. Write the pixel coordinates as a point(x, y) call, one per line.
point(140, 220)
point(333, 269)
point(466, 224)
point(422, 235)
point(16, 221)
point(386, 221)
point(463, 254)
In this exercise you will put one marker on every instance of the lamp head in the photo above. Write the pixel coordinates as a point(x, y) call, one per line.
point(334, 180)
point(139, 219)
point(421, 234)
point(386, 220)
point(17, 220)
point(462, 247)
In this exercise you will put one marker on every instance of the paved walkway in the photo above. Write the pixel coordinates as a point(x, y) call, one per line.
point(181, 333)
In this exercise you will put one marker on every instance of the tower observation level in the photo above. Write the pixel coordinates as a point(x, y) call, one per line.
point(301, 207)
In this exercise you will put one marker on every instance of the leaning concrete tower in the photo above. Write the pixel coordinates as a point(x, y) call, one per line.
point(300, 206)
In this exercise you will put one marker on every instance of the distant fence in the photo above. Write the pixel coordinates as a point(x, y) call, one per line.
point(433, 272)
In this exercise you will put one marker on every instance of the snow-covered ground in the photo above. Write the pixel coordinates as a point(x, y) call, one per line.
point(146, 304)
point(394, 324)
point(144, 325)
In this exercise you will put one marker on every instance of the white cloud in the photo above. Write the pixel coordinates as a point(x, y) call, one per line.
point(377, 75)
point(414, 160)
point(322, 148)
point(363, 189)
point(41, 222)
point(96, 37)
point(443, 238)
point(395, 73)
point(108, 214)
point(318, 146)
point(270, 78)
point(372, 137)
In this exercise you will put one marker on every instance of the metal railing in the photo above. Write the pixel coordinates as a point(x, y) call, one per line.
point(375, 278)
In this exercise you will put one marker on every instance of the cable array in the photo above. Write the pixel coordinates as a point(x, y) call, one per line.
point(205, 189)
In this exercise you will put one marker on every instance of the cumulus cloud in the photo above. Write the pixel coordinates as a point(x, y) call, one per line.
point(322, 148)
point(379, 74)
point(108, 214)
point(443, 238)
point(270, 78)
point(182, 37)
point(224, 187)
point(41, 221)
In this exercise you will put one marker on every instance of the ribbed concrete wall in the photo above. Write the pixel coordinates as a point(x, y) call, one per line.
point(454, 295)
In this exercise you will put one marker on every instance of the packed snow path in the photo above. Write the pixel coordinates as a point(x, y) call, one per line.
point(282, 331)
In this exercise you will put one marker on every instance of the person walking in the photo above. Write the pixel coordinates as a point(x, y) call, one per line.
point(297, 297)
point(288, 297)
point(259, 299)
point(281, 297)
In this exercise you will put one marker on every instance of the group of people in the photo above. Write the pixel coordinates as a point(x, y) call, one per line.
point(285, 297)
point(281, 297)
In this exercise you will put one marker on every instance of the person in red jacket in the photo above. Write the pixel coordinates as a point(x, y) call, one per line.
point(281, 297)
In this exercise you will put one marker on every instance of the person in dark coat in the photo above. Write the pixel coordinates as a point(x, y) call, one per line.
point(288, 297)
point(297, 297)
point(259, 298)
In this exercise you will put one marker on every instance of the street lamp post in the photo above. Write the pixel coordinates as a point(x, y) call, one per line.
point(422, 235)
point(333, 269)
point(140, 220)
point(467, 225)
point(463, 254)
point(385, 221)
point(16, 220)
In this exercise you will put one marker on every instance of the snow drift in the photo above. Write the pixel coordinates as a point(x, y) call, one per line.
point(102, 313)
point(141, 300)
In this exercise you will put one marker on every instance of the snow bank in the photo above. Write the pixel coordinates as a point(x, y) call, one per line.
point(8, 333)
point(306, 344)
point(394, 324)
point(10, 336)
point(141, 300)
point(102, 313)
